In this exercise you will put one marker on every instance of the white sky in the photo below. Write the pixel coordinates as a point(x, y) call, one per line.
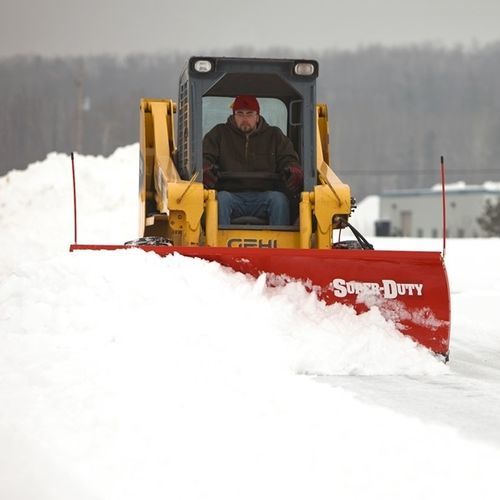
point(101, 26)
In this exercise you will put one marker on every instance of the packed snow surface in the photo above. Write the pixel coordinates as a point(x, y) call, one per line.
point(124, 375)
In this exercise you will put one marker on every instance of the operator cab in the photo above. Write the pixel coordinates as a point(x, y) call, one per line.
point(286, 90)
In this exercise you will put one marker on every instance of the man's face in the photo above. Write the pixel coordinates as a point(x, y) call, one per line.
point(246, 120)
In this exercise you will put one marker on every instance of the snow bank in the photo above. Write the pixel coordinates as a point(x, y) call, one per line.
point(329, 339)
point(36, 217)
point(126, 375)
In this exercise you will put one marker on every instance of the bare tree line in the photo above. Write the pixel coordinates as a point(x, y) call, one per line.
point(393, 112)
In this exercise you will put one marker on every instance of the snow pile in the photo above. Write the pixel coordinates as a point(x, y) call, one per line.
point(36, 204)
point(323, 339)
point(126, 375)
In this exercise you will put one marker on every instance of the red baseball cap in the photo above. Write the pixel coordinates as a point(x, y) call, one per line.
point(246, 102)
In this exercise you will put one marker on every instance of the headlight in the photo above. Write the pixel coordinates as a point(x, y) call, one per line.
point(304, 69)
point(203, 66)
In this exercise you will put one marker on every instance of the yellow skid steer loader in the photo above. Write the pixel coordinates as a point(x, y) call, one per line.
point(178, 214)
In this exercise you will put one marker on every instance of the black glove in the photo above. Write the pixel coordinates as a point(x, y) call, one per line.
point(210, 175)
point(294, 178)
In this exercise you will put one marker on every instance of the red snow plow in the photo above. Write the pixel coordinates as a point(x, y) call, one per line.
point(179, 215)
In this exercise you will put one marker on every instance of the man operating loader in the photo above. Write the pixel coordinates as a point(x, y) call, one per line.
point(253, 166)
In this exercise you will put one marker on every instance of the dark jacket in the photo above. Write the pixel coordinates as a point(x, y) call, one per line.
point(253, 162)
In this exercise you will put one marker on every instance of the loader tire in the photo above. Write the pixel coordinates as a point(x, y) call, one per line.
point(156, 241)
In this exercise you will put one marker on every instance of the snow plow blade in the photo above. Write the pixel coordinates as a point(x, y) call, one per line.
point(409, 288)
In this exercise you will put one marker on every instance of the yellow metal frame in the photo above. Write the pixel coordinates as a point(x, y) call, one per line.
point(183, 205)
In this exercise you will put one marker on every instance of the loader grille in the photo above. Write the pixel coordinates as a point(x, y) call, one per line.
point(183, 138)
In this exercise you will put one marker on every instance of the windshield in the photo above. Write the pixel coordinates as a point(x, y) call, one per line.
point(217, 109)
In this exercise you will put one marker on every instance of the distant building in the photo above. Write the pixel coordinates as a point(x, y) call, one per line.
point(418, 213)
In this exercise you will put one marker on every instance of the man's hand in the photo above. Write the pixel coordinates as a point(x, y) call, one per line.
point(210, 175)
point(294, 178)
